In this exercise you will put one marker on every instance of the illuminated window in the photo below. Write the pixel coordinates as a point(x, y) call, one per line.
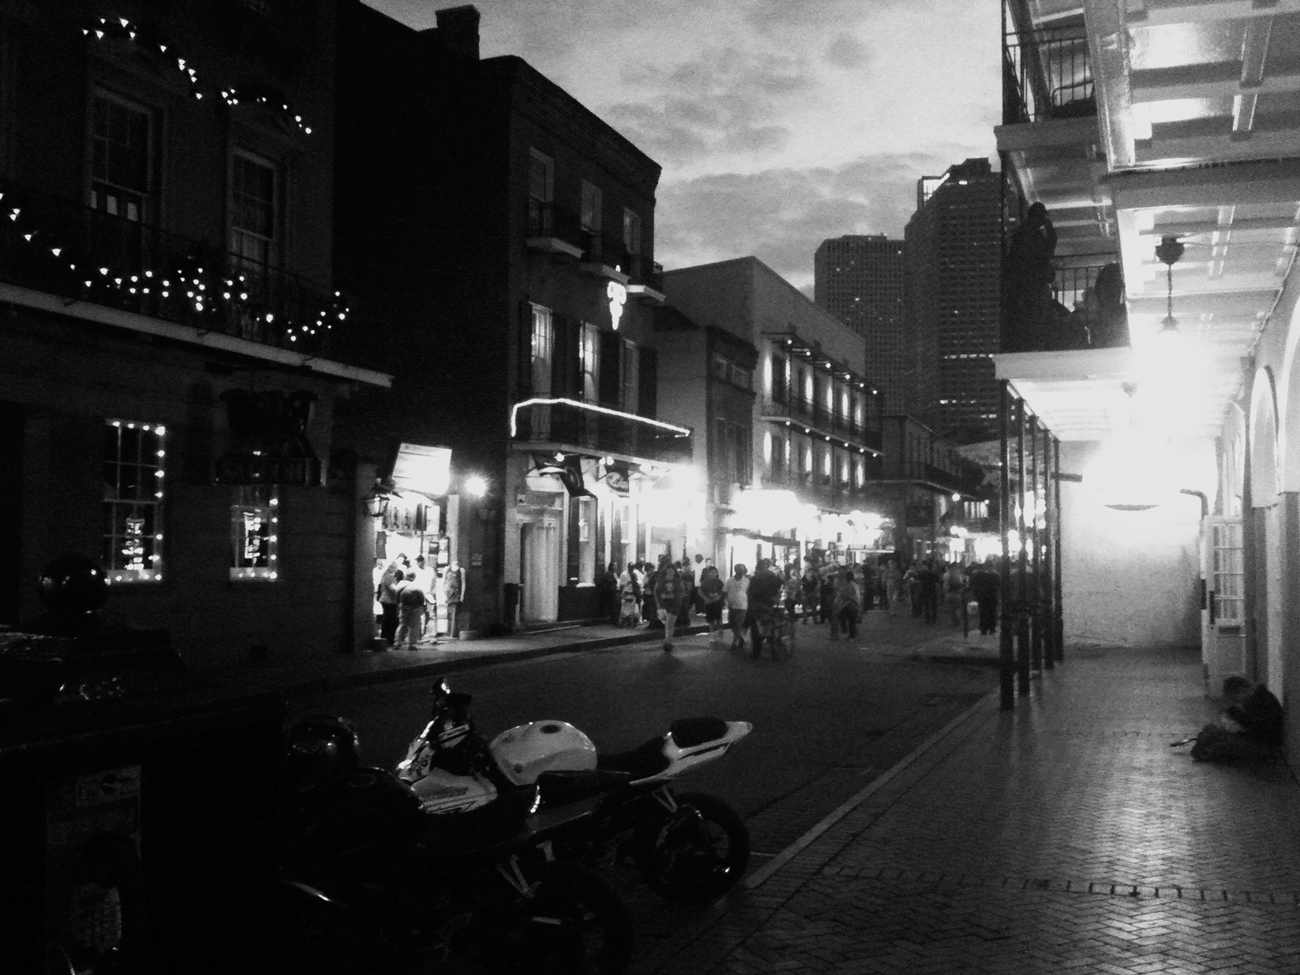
point(589, 362)
point(543, 342)
point(254, 531)
point(632, 232)
point(134, 456)
point(586, 514)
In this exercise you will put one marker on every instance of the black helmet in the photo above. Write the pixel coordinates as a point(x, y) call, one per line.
point(320, 750)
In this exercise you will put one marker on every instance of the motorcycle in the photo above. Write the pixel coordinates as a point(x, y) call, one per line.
point(372, 883)
point(689, 847)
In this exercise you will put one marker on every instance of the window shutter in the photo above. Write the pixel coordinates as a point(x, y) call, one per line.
point(648, 386)
point(564, 366)
point(525, 351)
point(610, 389)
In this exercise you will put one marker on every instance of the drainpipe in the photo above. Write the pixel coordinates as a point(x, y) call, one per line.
point(1205, 513)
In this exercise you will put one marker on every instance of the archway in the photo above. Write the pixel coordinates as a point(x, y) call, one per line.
point(1266, 499)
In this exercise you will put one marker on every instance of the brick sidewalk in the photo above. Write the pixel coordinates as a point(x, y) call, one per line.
point(1065, 836)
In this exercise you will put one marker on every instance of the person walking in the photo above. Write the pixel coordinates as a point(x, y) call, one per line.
point(670, 596)
point(711, 599)
point(427, 579)
point(453, 594)
point(607, 584)
point(410, 606)
point(984, 585)
point(810, 585)
point(764, 597)
point(688, 582)
point(736, 593)
point(387, 596)
point(929, 579)
point(893, 587)
point(954, 592)
point(848, 606)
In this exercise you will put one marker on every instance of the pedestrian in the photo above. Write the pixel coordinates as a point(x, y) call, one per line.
point(736, 593)
point(826, 595)
point(893, 586)
point(629, 591)
point(711, 599)
point(868, 587)
point(764, 597)
point(410, 606)
point(387, 596)
point(427, 579)
point(700, 566)
point(649, 612)
point(670, 595)
point(810, 585)
point(692, 594)
point(848, 606)
point(453, 596)
point(376, 576)
point(928, 579)
point(607, 584)
point(984, 585)
point(790, 590)
point(954, 592)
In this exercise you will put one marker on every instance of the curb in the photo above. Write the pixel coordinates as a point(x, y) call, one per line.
point(290, 686)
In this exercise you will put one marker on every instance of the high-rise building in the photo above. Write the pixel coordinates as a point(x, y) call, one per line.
point(859, 280)
point(952, 249)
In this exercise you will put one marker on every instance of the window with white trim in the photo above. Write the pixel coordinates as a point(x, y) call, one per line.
point(121, 138)
point(254, 202)
point(589, 362)
point(254, 532)
point(632, 232)
point(134, 458)
point(543, 348)
point(591, 206)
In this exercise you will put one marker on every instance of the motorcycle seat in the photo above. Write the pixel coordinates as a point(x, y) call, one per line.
point(640, 763)
point(688, 732)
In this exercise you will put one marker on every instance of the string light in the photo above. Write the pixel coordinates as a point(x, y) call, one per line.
point(199, 292)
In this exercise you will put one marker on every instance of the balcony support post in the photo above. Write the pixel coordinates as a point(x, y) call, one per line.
point(1022, 562)
point(1037, 539)
point(1006, 659)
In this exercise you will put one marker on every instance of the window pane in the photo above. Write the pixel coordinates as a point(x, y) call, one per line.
point(134, 465)
point(254, 531)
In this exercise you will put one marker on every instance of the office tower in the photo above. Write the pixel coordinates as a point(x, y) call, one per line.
point(859, 280)
point(952, 249)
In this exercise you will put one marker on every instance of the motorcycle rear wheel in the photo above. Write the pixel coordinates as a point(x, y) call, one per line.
point(698, 853)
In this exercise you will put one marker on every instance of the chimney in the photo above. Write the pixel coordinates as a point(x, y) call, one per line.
point(458, 29)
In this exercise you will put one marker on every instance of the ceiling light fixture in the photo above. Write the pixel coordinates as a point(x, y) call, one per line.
point(1168, 253)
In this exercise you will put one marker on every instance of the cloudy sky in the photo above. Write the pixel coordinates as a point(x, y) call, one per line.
point(778, 123)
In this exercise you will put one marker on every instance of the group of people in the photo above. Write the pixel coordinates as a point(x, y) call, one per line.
point(406, 600)
point(929, 584)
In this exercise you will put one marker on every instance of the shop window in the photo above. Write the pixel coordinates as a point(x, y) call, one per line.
point(254, 531)
point(134, 457)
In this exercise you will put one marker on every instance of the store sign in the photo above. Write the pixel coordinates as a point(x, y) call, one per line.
point(423, 469)
point(617, 295)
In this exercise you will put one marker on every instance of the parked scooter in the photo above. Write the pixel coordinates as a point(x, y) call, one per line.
point(689, 847)
point(372, 883)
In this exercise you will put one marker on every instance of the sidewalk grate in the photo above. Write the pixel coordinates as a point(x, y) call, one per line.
point(1105, 888)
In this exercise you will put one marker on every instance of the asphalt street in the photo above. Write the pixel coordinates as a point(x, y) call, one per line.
point(826, 722)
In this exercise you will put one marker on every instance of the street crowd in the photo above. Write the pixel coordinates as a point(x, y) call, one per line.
point(667, 595)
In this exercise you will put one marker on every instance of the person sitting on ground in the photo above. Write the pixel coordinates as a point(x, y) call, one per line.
point(1249, 729)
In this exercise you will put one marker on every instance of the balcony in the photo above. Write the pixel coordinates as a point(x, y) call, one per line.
point(59, 247)
point(1086, 309)
point(1047, 75)
point(819, 489)
point(816, 414)
point(574, 426)
point(553, 229)
point(605, 256)
point(646, 278)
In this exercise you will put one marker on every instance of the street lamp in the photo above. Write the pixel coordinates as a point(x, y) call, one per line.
point(474, 486)
point(376, 501)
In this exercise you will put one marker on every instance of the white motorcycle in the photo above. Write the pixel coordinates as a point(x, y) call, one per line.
point(690, 847)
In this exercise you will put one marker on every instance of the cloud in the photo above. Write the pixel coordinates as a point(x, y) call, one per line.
point(846, 51)
point(781, 215)
point(723, 101)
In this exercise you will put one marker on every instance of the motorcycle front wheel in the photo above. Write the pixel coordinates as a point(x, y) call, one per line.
point(573, 923)
point(696, 854)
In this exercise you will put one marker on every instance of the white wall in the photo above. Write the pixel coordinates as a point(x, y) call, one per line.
point(1132, 577)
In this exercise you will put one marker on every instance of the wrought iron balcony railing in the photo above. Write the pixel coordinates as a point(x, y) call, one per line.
point(1046, 74)
point(816, 413)
point(1085, 309)
point(60, 247)
point(577, 427)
